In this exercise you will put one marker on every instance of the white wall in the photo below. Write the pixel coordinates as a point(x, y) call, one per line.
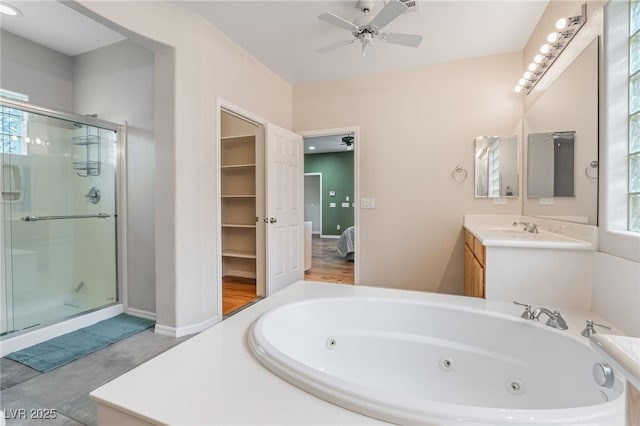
point(416, 127)
point(197, 64)
point(29, 68)
point(117, 83)
point(616, 292)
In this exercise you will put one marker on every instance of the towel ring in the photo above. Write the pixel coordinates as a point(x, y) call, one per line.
point(593, 165)
point(459, 174)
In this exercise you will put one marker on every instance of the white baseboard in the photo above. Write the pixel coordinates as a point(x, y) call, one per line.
point(29, 338)
point(166, 330)
point(330, 236)
point(141, 314)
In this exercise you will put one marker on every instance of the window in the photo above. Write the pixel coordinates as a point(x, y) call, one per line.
point(14, 126)
point(634, 115)
point(494, 171)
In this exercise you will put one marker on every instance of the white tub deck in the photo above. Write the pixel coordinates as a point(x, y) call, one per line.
point(213, 378)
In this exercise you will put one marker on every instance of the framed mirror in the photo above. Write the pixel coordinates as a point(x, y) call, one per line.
point(568, 110)
point(496, 166)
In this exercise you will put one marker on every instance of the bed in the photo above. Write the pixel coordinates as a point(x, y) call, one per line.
point(346, 244)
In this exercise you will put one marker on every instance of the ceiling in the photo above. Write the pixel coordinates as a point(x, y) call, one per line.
point(285, 35)
point(325, 144)
point(58, 27)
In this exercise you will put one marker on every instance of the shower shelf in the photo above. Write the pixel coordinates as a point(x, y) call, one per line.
point(86, 140)
point(90, 166)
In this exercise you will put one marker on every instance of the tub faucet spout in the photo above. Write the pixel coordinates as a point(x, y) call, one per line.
point(555, 319)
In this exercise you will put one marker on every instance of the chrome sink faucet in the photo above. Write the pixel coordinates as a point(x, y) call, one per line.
point(554, 320)
point(528, 227)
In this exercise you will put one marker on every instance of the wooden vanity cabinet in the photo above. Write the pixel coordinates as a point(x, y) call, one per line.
point(474, 266)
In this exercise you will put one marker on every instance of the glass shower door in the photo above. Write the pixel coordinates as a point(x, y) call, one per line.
point(59, 223)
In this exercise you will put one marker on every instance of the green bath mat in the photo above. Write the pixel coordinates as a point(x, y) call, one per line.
point(62, 350)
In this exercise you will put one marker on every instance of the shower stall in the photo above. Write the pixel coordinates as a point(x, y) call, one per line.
point(59, 222)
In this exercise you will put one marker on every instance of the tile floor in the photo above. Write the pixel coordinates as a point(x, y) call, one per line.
point(66, 389)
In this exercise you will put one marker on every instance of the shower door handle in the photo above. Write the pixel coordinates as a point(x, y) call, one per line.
point(78, 216)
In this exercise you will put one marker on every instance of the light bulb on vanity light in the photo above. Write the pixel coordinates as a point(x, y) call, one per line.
point(552, 38)
point(537, 59)
point(518, 88)
point(533, 66)
point(522, 82)
point(544, 49)
point(527, 75)
point(561, 24)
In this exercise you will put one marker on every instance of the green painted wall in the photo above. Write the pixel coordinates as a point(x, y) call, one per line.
point(337, 175)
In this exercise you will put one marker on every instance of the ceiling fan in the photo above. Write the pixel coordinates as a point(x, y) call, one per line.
point(367, 30)
point(348, 142)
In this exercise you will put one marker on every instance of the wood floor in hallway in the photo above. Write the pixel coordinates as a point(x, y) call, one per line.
point(326, 265)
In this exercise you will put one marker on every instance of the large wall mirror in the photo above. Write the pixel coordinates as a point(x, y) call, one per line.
point(551, 162)
point(561, 138)
point(496, 166)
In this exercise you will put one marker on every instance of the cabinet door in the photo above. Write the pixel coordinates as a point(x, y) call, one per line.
point(468, 271)
point(478, 279)
point(285, 208)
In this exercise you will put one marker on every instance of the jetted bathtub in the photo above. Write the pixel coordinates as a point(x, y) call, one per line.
point(406, 361)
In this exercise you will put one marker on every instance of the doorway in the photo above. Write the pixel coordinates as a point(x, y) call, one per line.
point(313, 201)
point(260, 206)
point(240, 198)
point(331, 191)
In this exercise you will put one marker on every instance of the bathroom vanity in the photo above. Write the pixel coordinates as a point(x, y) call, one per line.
point(474, 276)
point(549, 267)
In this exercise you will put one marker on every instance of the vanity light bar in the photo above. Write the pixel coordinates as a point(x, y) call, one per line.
point(566, 29)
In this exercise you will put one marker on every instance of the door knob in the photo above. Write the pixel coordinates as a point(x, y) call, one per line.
point(273, 220)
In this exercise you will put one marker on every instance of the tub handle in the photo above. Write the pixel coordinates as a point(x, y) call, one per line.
point(527, 310)
point(589, 330)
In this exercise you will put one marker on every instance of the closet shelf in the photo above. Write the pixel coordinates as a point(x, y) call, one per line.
point(236, 225)
point(231, 138)
point(244, 254)
point(238, 196)
point(237, 166)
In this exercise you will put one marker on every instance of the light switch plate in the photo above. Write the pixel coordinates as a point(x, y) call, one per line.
point(345, 204)
point(368, 203)
point(332, 205)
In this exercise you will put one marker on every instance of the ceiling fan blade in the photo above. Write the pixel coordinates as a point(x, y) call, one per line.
point(334, 46)
point(410, 40)
point(338, 21)
point(389, 12)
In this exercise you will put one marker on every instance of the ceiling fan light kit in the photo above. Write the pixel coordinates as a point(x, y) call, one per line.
point(368, 31)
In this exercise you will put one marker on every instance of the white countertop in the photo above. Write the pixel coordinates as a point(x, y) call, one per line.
point(499, 231)
point(623, 352)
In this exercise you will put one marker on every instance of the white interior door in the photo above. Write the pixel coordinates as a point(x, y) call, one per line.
point(285, 208)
